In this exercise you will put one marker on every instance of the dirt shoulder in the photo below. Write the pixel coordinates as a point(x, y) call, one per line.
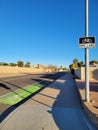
point(92, 106)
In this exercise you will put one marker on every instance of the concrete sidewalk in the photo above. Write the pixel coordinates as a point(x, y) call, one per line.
point(57, 107)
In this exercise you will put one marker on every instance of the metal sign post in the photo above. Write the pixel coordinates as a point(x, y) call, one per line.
point(86, 55)
point(86, 42)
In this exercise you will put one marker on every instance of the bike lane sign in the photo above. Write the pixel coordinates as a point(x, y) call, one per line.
point(87, 42)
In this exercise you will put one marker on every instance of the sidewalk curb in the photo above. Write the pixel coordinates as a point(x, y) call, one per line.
point(88, 107)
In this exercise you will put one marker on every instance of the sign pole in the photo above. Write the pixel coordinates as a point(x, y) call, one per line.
point(86, 55)
point(86, 42)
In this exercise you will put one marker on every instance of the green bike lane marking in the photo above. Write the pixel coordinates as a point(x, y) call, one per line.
point(21, 94)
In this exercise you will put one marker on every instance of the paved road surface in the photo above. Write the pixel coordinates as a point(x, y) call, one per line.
point(57, 107)
point(9, 84)
point(13, 83)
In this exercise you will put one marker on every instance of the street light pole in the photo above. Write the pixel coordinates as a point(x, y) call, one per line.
point(86, 55)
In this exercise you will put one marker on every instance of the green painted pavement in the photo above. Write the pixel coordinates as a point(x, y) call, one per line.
point(21, 94)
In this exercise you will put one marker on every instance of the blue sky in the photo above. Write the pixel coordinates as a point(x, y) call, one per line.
point(45, 31)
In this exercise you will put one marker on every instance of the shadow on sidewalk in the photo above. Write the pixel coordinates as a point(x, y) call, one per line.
point(66, 103)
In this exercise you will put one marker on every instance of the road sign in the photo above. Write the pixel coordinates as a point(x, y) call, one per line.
point(87, 42)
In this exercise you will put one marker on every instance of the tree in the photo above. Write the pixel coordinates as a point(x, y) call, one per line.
point(75, 61)
point(20, 63)
point(12, 64)
point(53, 68)
point(71, 66)
point(0, 63)
point(4, 64)
point(27, 64)
point(92, 62)
point(61, 68)
point(74, 65)
point(80, 64)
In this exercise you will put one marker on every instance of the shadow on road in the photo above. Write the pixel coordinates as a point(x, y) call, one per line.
point(8, 109)
point(4, 86)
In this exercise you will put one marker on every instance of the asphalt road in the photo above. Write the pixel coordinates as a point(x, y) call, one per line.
point(11, 84)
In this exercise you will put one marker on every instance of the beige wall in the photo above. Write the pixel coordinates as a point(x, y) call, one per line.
point(78, 72)
point(93, 73)
point(20, 70)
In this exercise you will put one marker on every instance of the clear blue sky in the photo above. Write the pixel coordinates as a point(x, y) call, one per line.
point(45, 31)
